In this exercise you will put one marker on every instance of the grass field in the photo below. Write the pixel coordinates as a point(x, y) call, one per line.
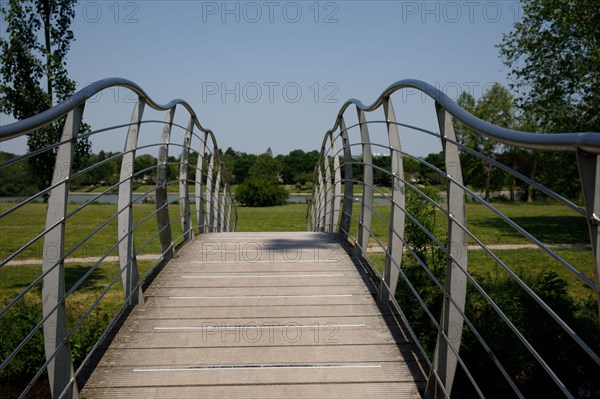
point(551, 224)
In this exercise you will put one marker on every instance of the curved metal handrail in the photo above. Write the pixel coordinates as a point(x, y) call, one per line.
point(559, 142)
point(28, 125)
point(331, 211)
point(214, 212)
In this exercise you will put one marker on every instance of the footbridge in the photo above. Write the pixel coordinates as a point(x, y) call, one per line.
point(396, 289)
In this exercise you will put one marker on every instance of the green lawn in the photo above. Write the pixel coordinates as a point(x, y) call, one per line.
point(289, 217)
point(551, 224)
point(527, 263)
point(24, 224)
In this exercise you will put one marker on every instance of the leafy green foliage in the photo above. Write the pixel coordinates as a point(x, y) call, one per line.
point(15, 325)
point(263, 188)
point(565, 357)
point(496, 107)
point(554, 57)
point(25, 62)
point(15, 179)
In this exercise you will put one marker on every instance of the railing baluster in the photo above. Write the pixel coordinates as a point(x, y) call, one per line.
point(56, 333)
point(589, 170)
point(222, 209)
point(337, 186)
point(451, 323)
point(162, 197)
point(328, 191)
point(348, 184)
point(200, 217)
point(317, 206)
point(229, 207)
point(215, 197)
point(127, 259)
point(184, 194)
point(393, 259)
point(209, 193)
point(367, 197)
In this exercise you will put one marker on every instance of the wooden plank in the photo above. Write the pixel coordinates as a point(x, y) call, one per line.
point(156, 325)
point(219, 335)
point(253, 314)
point(161, 291)
point(299, 391)
point(250, 312)
point(188, 300)
point(294, 374)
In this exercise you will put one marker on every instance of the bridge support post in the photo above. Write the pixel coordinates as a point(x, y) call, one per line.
point(589, 170)
point(228, 208)
point(346, 218)
point(57, 348)
point(393, 259)
point(455, 291)
point(337, 186)
point(162, 198)
point(366, 209)
point(328, 197)
point(320, 206)
point(127, 259)
point(184, 193)
point(209, 192)
point(222, 211)
point(215, 198)
point(200, 214)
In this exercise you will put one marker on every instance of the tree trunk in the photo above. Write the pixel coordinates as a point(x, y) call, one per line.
point(48, 45)
point(532, 177)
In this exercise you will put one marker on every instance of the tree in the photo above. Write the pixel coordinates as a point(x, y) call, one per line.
point(33, 74)
point(554, 58)
point(495, 106)
point(263, 188)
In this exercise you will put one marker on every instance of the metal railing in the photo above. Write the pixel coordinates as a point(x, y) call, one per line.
point(72, 232)
point(444, 289)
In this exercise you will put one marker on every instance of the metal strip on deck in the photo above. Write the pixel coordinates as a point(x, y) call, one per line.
point(260, 315)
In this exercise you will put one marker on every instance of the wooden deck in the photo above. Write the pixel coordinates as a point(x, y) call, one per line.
point(258, 315)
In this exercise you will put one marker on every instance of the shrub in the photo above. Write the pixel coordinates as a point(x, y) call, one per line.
point(261, 192)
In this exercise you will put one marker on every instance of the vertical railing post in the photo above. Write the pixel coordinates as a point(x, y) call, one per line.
point(311, 214)
point(328, 190)
point(200, 217)
point(348, 184)
point(366, 205)
point(184, 194)
point(337, 187)
point(228, 206)
point(162, 198)
point(395, 247)
point(57, 348)
point(451, 322)
point(222, 211)
point(589, 171)
point(321, 200)
point(127, 258)
point(209, 187)
point(215, 208)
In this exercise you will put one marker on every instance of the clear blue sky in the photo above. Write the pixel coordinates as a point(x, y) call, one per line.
point(266, 52)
